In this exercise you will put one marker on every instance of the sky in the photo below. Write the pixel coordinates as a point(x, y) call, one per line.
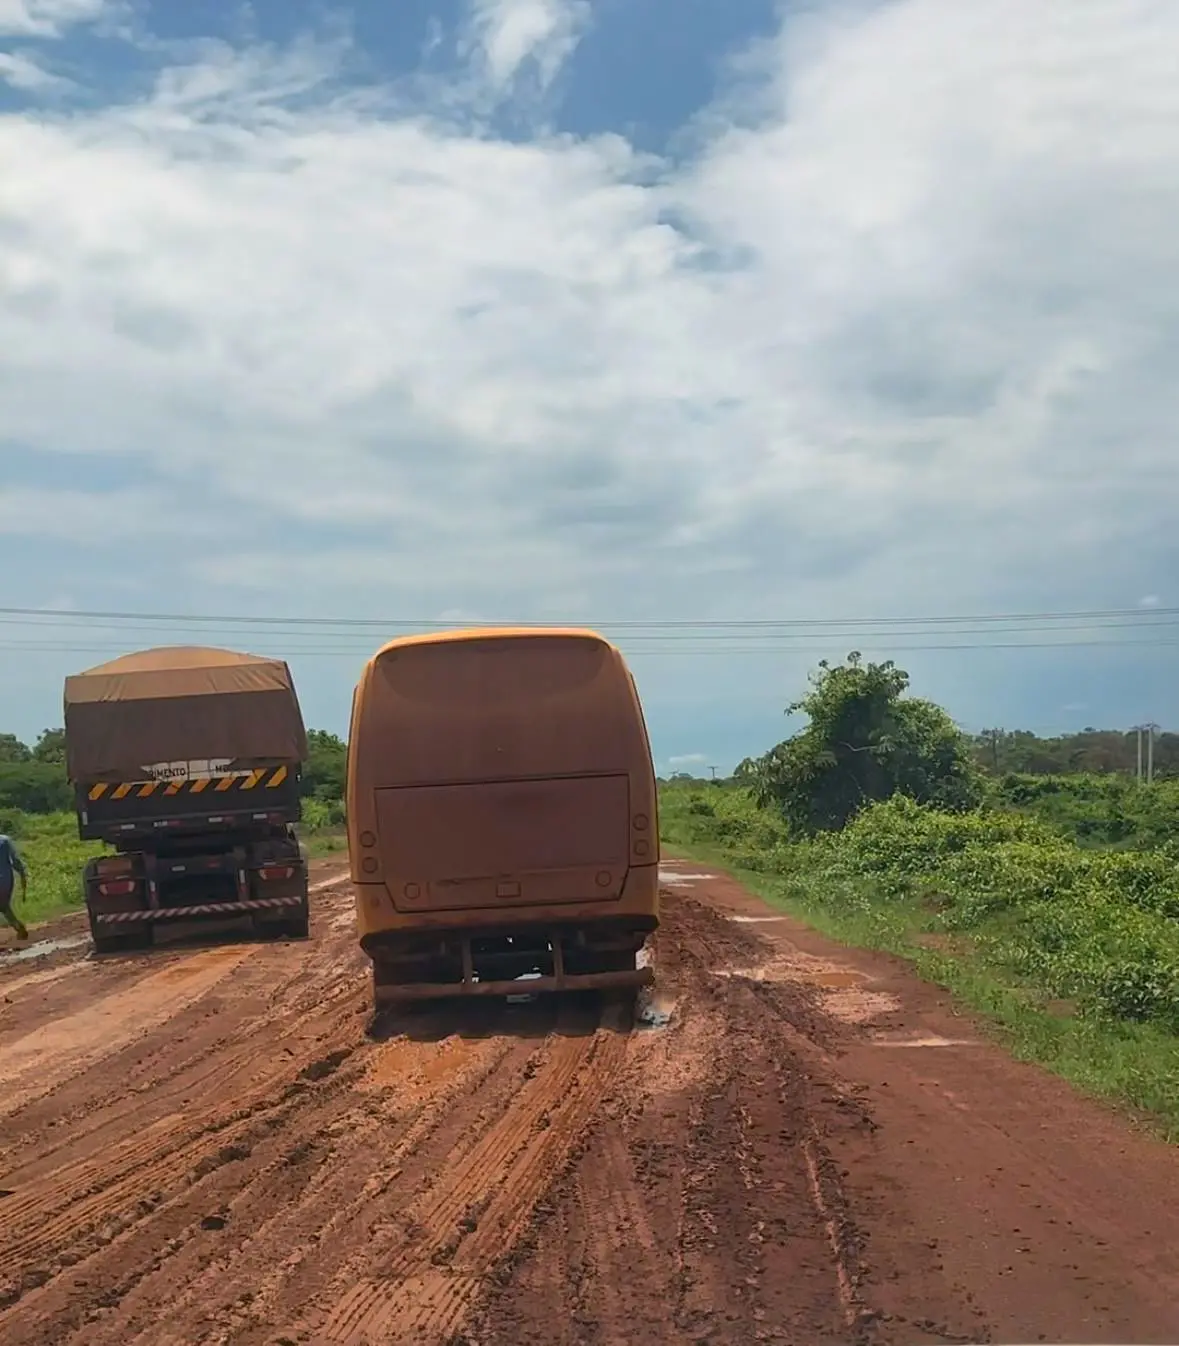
point(650, 315)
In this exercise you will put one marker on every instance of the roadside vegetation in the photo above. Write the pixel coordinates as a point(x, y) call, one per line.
point(1050, 903)
point(36, 810)
point(1044, 896)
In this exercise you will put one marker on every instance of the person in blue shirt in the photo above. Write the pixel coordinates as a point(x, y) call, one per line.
point(11, 868)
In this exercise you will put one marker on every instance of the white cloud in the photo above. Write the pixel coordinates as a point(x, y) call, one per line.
point(687, 759)
point(47, 18)
point(22, 73)
point(1149, 601)
point(898, 337)
point(100, 518)
point(509, 33)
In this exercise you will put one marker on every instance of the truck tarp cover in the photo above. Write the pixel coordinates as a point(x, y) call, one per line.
point(180, 703)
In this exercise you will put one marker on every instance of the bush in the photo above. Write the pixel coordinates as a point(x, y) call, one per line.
point(54, 857)
point(1100, 928)
point(34, 787)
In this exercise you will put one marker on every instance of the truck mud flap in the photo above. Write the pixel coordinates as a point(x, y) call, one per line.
point(202, 909)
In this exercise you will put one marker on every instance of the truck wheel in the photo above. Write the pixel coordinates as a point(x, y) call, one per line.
point(121, 943)
point(299, 927)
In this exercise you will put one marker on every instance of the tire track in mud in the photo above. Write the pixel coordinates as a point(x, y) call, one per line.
point(81, 1208)
point(126, 1164)
point(293, 1242)
point(706, 1207)
point(472, 1215)
point(207, 1045)
point(40, 1061)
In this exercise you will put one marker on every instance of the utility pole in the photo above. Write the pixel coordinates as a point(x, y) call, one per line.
point(1138, 769)
point(713, 770)
point(1151, 730)
point(992, 736)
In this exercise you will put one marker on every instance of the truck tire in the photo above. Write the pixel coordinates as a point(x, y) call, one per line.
point(123, 942)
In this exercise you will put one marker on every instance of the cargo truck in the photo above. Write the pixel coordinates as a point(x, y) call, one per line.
point(186, 762)
point(502, 816)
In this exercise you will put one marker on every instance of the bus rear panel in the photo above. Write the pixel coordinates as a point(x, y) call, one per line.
point(502, 816)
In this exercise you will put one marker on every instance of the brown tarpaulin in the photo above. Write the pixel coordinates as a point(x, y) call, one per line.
point(180, 703)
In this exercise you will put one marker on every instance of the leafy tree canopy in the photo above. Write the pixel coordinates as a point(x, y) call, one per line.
point(325, 772)
point(50, 747)
point(865, 741)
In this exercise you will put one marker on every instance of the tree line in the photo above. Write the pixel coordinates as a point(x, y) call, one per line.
point(33, 778)
point(1088, 752)
point(1097, 752)
point(867, 740)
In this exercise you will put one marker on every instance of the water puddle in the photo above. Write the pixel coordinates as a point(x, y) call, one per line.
point(42, 948)
point(837, 980)
point(756, 920)
point(928, 1040)
point(653, 1016)
point(673, 878)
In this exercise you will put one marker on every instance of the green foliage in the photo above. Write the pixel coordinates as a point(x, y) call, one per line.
point(34, 787)
point(1097, 928)
point(13, 750)
point(326, 769)
point(1096, 751)
point(54, 857)
point(50, 747)
point(1095, 810)
point(33, 780)
point(321, 814)
point(865, 741)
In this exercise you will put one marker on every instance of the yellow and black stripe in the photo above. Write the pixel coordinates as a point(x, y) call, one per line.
point(266, 778)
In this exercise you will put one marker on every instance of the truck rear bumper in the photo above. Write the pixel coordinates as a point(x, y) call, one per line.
point(201, 909)
point(384, 994)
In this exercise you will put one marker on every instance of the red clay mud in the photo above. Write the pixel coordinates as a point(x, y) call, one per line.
point(212, 1144)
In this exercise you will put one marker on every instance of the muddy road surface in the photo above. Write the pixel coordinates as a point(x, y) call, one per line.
point(212, 1143)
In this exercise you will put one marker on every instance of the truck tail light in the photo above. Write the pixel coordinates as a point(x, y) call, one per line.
point(276, 873)
point(115, 864)
point(117, 887)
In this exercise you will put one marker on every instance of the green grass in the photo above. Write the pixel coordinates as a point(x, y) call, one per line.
point(322, 829)
point(48, 843)
point(1068, 954)
point(327, 844)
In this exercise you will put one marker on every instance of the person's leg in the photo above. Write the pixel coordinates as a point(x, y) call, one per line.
point(14, 920)
point(9, 915)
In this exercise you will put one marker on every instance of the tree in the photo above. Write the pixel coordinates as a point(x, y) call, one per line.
point(50, 747)
point(865, 741)
point(325, 772)
point(13, 750)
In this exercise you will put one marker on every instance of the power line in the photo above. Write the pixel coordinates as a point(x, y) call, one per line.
point(363, 652)
point(1131, 616)
point(651, 632)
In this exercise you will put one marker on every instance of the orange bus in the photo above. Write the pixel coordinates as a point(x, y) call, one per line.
point(502, 815)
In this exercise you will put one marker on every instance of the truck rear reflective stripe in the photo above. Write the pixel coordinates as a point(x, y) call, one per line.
point(246, 780)
point(203, 909)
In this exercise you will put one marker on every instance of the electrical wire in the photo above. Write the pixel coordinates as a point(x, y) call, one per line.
point(1132, 616)
point(363, 652)
point(357, 637)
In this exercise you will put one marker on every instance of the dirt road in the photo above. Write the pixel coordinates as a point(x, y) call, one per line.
point(212, 1145)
